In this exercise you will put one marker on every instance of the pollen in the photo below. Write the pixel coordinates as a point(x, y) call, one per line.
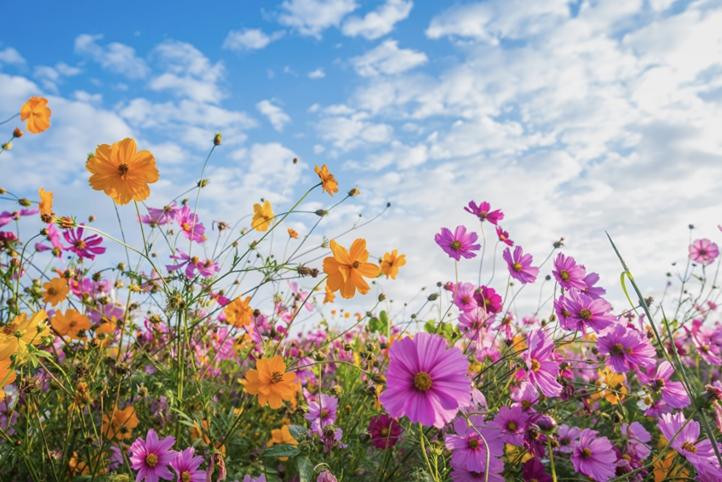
point(422, 381)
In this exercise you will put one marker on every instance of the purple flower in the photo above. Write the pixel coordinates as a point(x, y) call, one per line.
point(627, 349)
point(6, 218)
point(504, 236)
point(160, 217)
point(489, 299)
point(468, 449)
point(525, 396)
point(519, 265)
point(638, 440)
point(426, 381)
point(326, 476)
point(248, 478)
point(186, 466)
point(510, 421)
point(205, 268)
point(567, 437)
point(496, 467)
point(189, 224)
point(593, 291)
point(324, 413)
point(54, 238)
point(568, 274)
point(471, 322)
point(703, 251)
point(458, 244)
point(594, 456)
point(542, 371)
point(151, 457)
point(484, 213)
point(686, 443)
point(577, 312)
point(534, 471)
point(385, 431)
point(84, 248)
point(673, 393)
point(464, 297)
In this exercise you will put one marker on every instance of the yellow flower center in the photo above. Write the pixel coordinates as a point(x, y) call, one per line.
point(52, 291)
point(473, 443)
point(586, 453)
point(566, 313)
point(384, 431)
point(186, 227)
point(564, 442)
point(617, 349)
point(276, 377)
point(564, 275)
point(456, 245)
point(659, 383)
point(422, 381)
point(10, 329)
point(194, 260)
point(151, 460)
point(324, 413)
point(585, 314)
point(626, 457)
point(80, 244)
point(689, 447)
point(73, 324)
point(355, 264)
point(525, 404)
point(535, 365)
point(511, 426)
point(185, 476)
point(123, 169)
point(517, 267)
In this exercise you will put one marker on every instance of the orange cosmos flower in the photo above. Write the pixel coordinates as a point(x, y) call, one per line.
point(612, 386)
point(56, 290)
point(346, 270)
point(70, 324)
point(22, 331)
point(330, 296)
point(281, 436)
point(46, 206)
point(238, 312)
point(391, 263)
point(271, 382)
point(292, 233)
point(122, 172)
point(328, 182)
point(122, 424)
point(262, 216)
point(37, 113)
point(7, 376)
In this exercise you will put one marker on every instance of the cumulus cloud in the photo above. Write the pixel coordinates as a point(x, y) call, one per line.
point(249, 39)
point(388, 59)
point(317, 74)
point(311, 17)
point(379, 22)
point(10, 56)
point(275, 115)
point(114, 57)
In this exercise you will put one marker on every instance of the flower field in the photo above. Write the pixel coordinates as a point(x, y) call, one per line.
point(183, 357)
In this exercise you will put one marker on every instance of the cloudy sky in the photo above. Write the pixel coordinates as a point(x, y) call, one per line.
point(574, 118)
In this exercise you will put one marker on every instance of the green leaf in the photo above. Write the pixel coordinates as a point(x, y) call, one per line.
point(430, 326)
point(297, 432)
point(384, 319)
point(305, 469)
point(374, 324)
point(281, 450)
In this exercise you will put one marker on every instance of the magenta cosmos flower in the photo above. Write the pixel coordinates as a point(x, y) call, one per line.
point(627, 349)
point(594, 456)
point(703, 251)
point(511, 421)
point(322, 413)
point(189, 225)
point(484, 213)
point(469, 450)
point(150, 457)
point(534, 471)
point(504, 236)
point(205, 268)
point(673, 393)
point(697, 452)
point(489, 299)
point(520, 267)
point(426, 381)
point(577, 311)
point(541, 370)
point(464, 297)
point(186, 466)
point(568, 273)
point(459, 243)
point(385, 431)
point(160, 217)
point(84, 248)
point(567, 437)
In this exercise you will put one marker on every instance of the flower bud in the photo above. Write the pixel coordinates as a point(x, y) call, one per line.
point(25, 202)
point(7, 146)
point(354, 192)
point(326, 476)
point(217, 139)
point(17, 132)
point(546, 424)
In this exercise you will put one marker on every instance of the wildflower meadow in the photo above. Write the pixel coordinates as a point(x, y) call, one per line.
point(182, 358)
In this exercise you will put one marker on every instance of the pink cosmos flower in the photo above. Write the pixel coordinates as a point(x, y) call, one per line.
point(54, 238)
point(592, 291)
point(707, 341)
point(458, 244)
point(469, 450)
point(567, 437)
point(323, 413)
point(639, 439)
point(84, 248)
point(152, 456)
point(687, 443)
point(568, 273)
point(594, 456)
point(484, 213)
point(534, 471)
point(541, 370)
point(525, 396)
point(160, 217)
point(511, 421)
point(673, 393)
point(464, 297)
point(519, 265)
point(577, 311)
point(426, 381)
point(496, 467)
point(703, 251)
point(186, 466)
point(473, 321)
point(385, 431)
point(205, 268)
point(627, 349)
point(189, 225)
point(504, 236)
point(489, 299)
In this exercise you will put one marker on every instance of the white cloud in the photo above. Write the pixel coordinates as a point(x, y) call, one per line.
point(388, 59)
point(350, 132)
point(88, 98)
point(11, 56)
point(188, 73)
point(317, 74)
point(311, 17)
point(249, 39)
point(275, 115)
point(379, 22)
point(114, 57)
point(50, 76)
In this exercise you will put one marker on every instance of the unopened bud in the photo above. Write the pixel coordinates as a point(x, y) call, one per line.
point(91, 218)
point(217, 139)
point(321, 213)
point(17, 132)
point(354, 192)
point(382, 297)
point(546, 424)
point(25, 202)
point(7, 146)
point(202, 183)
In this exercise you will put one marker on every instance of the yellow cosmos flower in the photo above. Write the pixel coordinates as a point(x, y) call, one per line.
point(330, 296)
point(122, 172)
point(37, 113)
point(262, 216)
point(346, 270)
point(70, 324)
point(56, 290)
point(328, 182)
point(292, 233)
point(612, 386)
point(281, 436)
point(391, 263)
point(46, 206)
point(271, 382)
point(238, 312)
point(22, 331)
point(7, 376)
point(121, 426)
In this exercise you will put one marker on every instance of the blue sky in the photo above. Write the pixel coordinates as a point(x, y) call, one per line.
point(574, 118)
